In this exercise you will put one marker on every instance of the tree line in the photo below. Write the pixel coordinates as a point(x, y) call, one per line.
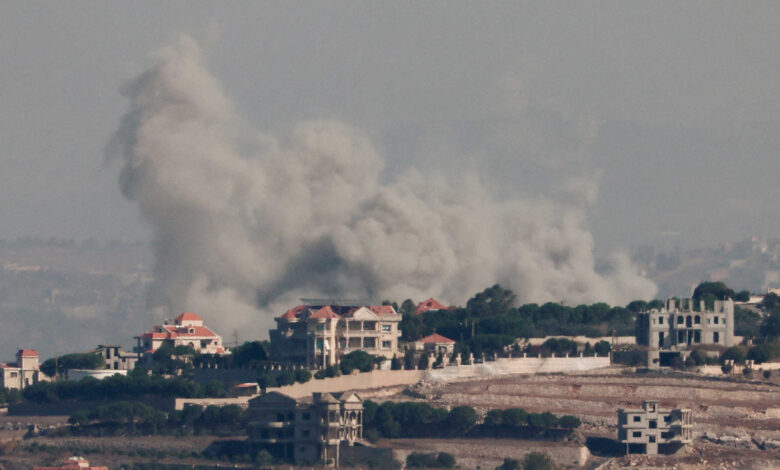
point(415, 419)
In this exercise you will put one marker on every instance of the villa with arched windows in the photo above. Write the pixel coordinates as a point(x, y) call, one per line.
point(683, 325)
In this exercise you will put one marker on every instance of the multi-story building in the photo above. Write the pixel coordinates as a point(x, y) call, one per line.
point(679, 324)
point(116, 358)
point(319, 335)
point(648, 427)
point(186, 330)
point(305, 432)
point(22, 373)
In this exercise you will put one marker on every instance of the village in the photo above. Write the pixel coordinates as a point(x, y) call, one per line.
point(341, 383)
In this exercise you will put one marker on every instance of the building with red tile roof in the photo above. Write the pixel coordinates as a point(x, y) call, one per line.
point(186, 330)
point(318, 335)
point(430, 304)
point(435, 343)
point(22, 373)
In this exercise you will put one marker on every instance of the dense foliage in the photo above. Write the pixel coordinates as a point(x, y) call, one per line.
point(491, 320)
point(422, 460)
point(72, 361)
point(414, 419)
point(117, 387)
point(124, 417)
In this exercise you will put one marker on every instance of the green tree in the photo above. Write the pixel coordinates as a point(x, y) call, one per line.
point(734, 353)
point(459, 420)
point(359, 360)
point(515, 417)
point(72, 361)
point(445, 460)
point(302, 376)
point(493, 301)
point(538, 461)
point(569, 422)
point(718, 289)
point(510, 464)
point(493, 418)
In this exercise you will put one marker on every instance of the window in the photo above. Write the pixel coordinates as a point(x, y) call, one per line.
point(636, 434)
point(14, 374)
point(369, 343)
point(651, 439)
point(667, 435)
point(369, 325)
point(653, 424)
point(667, 419)
point(660, 339)
point(697, 320)
point(387, 344)
point(715, 337)
point(724, 320)
point(716, 320)
point(306, 416)
point(680, 320)
point(637, 419)
point(387, 328)
point(660, 320)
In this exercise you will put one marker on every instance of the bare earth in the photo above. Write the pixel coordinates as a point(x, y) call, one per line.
point(737, 422)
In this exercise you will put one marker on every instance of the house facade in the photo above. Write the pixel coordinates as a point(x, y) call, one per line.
point(648, 427)
point(682, 326)
point(186, 330)
point(116, 358)
point(319, 335)
point(24, 372)
point(305, 432)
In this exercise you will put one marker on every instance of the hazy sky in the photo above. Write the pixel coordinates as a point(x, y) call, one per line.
point(673, 108)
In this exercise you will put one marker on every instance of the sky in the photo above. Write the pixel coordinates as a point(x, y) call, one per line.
point(670, 109)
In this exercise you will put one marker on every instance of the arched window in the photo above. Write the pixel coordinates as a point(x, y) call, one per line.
point(697, 319)
point(680, 320)
point(688, 321)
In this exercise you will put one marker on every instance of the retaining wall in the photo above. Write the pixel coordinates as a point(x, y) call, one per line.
point(390, 378)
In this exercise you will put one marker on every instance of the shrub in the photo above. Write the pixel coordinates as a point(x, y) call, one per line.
point(510, 464)
point(538, 461)
point(726, 368)
point(734, 353)
point(286, 377)
point(569, 422)
point(767, 374)
point(302, 376)
point(421, 460)
point(445, 460)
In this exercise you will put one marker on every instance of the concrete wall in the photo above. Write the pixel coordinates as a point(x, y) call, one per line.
point(527, 365)
point(581, 339)
point(390, 378)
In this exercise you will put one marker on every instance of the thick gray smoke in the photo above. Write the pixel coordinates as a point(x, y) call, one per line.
point(246, 223)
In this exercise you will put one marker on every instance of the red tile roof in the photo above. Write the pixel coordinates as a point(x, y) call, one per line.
point(176, 331)
point(435, 338)
point(187, 316)
point(293, 312)
point(382, 309)
point(28, 353)
point(430, 304)
point(324, 313)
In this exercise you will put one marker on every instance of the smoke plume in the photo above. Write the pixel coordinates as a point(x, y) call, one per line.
point(245, 223)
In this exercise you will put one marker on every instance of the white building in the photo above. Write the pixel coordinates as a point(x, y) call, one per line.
point(116, 358)
point(24, 372)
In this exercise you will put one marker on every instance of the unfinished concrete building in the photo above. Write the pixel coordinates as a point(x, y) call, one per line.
point(643, 430)
point(305, 432)
point(682, 325)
